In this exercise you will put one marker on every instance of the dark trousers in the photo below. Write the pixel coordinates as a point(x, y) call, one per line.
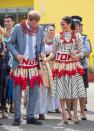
point(3, 92)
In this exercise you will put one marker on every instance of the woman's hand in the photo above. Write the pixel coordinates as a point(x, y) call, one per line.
point(74, 56)
point(45, 61)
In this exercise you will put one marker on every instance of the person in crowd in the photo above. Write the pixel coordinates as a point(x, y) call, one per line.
point(53, 103)
point(87, 45)
point(46, 103)
point(83, 60)
point(29, 45)
point(4, 58)
point(9, 23)
point(67, 71)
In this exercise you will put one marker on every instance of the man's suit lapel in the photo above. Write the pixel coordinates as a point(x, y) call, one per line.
point(24, 41)
point(37, 40)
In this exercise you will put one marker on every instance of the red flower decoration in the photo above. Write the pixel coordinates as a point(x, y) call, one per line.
point(80, 71)
point(16, 80)
point(54, 73)
point(24, 83)
point(32, 82)
point(40, 80)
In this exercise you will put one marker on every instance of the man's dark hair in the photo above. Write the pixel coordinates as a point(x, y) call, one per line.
point(9, 16)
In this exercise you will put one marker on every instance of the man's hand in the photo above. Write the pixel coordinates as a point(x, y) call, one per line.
point(19, 57)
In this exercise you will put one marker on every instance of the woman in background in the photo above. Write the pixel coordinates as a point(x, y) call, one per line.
point(47, 103)
point(53, 103)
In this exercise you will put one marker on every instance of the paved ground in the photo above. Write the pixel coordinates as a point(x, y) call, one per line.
point(53, 120)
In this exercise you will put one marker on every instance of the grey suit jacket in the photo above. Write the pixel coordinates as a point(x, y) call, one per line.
point(17, 43)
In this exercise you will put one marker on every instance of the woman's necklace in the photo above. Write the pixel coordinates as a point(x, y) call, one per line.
point(48, 41)
point(67, 37)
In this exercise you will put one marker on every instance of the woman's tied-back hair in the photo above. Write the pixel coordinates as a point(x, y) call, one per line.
point(69, 20)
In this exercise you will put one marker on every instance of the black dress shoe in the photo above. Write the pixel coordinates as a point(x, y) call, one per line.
point(57, 111)
point(41, 117)
point(51, 112)
point(16, 122)
point(33, 121)
point(1, 124)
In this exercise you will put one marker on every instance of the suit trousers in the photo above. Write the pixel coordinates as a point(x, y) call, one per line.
point(31, 102)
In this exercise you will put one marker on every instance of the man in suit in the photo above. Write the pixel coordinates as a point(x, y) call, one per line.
point(28, 39)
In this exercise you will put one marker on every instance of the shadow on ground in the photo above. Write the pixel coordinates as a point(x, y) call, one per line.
point(51, 124)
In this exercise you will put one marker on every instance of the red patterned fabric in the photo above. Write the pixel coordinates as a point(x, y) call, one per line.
point(31, 32)
point(27, 72)
point(61, 73)
point(71, 40)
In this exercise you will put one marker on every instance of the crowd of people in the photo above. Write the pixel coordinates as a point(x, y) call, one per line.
point(50, 69)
